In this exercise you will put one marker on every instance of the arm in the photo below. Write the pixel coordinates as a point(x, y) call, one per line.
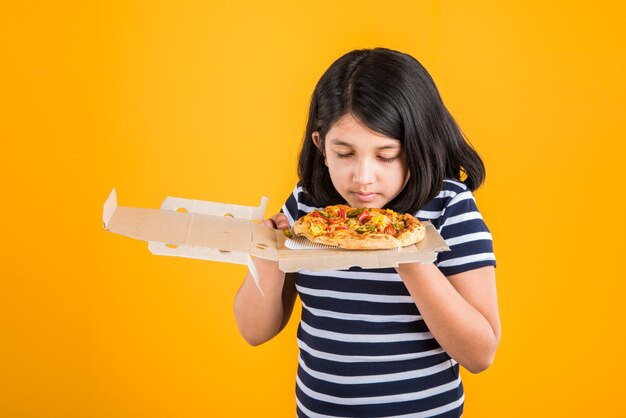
point(461, 311)
point(260, 317)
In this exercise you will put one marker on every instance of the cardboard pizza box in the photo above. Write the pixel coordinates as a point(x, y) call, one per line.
point(234, 233)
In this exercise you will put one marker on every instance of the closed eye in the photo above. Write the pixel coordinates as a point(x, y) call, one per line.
point(343, 155)
point(387, 160)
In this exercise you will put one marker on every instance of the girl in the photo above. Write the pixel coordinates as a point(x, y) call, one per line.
point(384, 342)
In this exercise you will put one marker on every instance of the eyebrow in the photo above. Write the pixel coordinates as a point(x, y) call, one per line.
point(338, 141)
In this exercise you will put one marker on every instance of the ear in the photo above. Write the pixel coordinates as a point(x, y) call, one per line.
point(317, 140)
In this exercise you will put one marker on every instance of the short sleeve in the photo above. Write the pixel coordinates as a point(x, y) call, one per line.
point(464, 230)
point(297, 205)
point(290, 207)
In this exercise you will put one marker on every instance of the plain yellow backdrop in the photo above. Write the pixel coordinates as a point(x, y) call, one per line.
point(207, 100)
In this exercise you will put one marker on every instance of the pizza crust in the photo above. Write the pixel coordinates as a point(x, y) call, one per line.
point(372, 242)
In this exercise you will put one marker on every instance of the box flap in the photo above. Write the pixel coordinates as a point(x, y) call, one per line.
point(253, 213)
point(184, 228)
point(195, 229)
point(263, 242)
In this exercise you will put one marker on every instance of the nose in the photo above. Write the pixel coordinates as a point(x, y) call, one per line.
point(364, 172)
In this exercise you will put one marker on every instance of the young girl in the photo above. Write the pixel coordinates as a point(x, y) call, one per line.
point(384, 342)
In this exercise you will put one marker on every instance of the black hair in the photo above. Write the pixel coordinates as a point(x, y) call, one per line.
point(391, 93)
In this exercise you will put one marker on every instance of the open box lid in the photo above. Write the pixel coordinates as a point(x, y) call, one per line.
point(233, 233)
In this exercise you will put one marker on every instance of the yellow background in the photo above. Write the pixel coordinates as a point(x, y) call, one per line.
point(208, 100)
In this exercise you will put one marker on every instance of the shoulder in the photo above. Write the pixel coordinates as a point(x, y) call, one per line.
point(454, 213)
point(453, 193)
point(298, 203)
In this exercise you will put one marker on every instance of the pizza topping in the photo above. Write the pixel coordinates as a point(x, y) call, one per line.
point(389, 229)
point(363, 216)
point(316, 230)
point(365, 228)
point(351, 222)
point(324, 214)
point(380, 220)
point(354, 213)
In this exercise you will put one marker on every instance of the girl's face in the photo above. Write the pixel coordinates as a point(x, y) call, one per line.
point(367, 169)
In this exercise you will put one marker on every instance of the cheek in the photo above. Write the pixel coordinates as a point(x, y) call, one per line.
point(398, 177)
point(337, 167)
point(405, 177)
point(340, 175)
point(405, 172)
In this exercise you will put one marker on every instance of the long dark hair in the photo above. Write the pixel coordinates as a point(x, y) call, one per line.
point(391, 93)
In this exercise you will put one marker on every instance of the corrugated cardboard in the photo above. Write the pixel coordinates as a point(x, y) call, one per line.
point(233, 233)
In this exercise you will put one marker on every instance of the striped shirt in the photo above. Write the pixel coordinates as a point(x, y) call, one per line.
point(364, 349)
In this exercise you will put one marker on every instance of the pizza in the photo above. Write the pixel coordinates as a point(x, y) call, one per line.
point(360, 228)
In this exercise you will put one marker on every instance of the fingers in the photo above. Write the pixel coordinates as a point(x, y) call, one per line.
point(281, 221)
point(278, 221)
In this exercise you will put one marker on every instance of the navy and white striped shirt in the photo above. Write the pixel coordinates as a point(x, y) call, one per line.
point(364, 349)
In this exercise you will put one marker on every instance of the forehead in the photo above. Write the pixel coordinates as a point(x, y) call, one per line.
point(349, 131)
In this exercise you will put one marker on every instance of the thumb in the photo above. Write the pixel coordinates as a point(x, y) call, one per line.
point(281, 221)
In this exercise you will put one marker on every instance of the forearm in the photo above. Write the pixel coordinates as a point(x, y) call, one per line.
point(260, 316)
point(461, 329)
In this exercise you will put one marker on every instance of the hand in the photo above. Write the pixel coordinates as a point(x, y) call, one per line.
point(278, 221)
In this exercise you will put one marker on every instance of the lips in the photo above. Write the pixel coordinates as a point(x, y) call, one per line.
point(365, 196)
